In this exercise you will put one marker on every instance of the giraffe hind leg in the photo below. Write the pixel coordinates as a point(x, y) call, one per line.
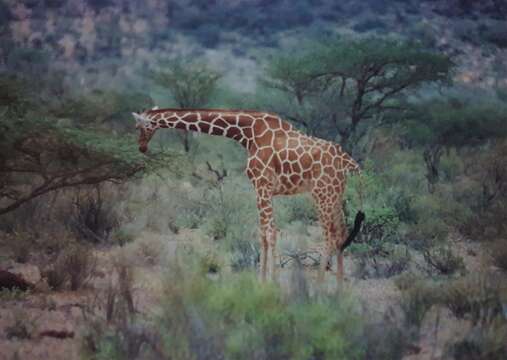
point(341, 234)
point(268, 237)
point(264, 255)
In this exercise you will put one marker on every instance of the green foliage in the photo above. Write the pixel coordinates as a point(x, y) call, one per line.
point(102, 107)
point(456, 123)
point(428, 225)
point(191, 85)
point(28, 61)
point(232, 219)
point(371, 194)
point(36, 148)
point(363, 78)
point(262, 324)
point(295, 208)
point(15, 94)
point(452, 123)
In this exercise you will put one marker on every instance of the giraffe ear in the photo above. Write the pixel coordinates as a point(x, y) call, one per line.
point(140, 120)
point(155, 108)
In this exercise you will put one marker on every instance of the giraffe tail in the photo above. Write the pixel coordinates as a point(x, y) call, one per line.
point(355, 230)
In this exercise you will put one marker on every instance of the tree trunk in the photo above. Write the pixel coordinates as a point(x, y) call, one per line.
point(432, 159)
point(185, 140)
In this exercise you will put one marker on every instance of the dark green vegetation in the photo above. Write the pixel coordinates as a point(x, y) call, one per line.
point(421, 104)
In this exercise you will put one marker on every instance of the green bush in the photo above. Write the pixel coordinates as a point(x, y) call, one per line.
point(233, 220)
point(429, 226)
point(238, 317)
point(370, 193)
point(295, 208)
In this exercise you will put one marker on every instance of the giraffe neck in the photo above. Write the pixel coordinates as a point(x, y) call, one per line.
point(234, 124)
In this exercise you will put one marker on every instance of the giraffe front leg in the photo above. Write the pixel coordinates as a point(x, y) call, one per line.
point(264, 255)
point(324, 260)
point(273, 255)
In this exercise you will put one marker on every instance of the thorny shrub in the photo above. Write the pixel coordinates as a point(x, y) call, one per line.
point(443, 260)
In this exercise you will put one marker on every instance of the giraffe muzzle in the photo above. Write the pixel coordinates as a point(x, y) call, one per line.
point(143, 148)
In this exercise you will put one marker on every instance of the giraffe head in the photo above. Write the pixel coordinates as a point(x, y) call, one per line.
point(146, 130)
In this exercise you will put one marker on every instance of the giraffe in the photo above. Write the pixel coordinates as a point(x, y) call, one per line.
point(281, 161)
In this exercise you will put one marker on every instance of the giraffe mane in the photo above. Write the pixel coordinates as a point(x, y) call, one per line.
point(234, 111)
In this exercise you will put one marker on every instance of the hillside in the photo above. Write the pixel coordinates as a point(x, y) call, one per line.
point(101, 40)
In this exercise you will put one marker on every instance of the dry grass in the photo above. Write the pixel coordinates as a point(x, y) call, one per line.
point(476, 297)
point(20, 244)
point(73, 268)
point(416, 300)
point(483, 342)
point(22, 328)
point(444, 261)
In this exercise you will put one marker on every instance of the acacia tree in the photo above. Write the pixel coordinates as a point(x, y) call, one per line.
point(439, 125)
point(41, 153)
point(39, 156)
point(191, 85)
point(364, 79)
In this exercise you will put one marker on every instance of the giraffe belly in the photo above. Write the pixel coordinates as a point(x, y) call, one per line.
point(284, 186)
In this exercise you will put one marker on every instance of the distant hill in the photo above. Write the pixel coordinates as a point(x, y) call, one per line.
point(100, 40)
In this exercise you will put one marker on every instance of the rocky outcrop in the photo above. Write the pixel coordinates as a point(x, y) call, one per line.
point(30, 273)
point(20, 276)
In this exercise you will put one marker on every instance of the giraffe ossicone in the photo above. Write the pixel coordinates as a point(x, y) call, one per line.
point(140, 119)
point(281, 161)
